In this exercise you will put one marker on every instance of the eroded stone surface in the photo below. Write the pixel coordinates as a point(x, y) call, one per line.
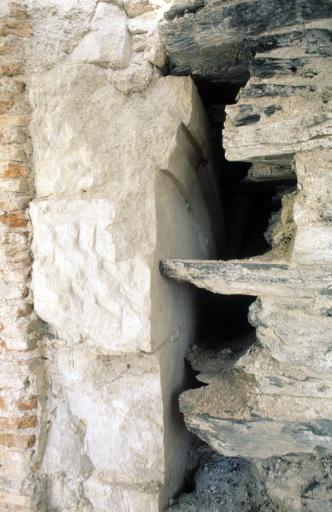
point(116, 186)
point(77, 264)
point(275, 399)
point(101, 399)
point(107, 41)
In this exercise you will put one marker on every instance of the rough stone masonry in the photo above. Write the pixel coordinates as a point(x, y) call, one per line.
point(275, 400)
point(99, 158)
point(101, 177)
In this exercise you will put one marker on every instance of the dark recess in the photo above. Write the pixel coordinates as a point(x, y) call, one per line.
point(247, 208)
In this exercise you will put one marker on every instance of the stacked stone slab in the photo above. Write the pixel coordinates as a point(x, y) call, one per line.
point(276, 399)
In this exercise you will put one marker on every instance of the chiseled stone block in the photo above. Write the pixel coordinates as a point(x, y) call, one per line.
point(82, 286)
point(105, 498)
point(108, 40)
point(111, 410)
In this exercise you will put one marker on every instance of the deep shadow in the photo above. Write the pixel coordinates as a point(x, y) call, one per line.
point(222, 318)
point(246, 206)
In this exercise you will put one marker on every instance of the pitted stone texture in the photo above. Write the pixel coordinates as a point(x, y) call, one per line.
point(64, 448)
point(107, 41)
point(112, 409)
point(123, 160)
point(83, 286)
point(313, 208)
point(105, 498)
point(58, 27)
point(103, 296)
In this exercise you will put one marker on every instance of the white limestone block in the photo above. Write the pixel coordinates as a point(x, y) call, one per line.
point(105, 498)
point(102, 139)
point(64, 449)
point(313, 245)
point(118, 402)
point(107, 41)
point(83, 286)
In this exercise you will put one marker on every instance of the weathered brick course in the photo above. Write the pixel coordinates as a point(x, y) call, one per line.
point(18, 324)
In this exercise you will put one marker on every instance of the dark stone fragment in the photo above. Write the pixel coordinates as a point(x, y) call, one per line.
point(261, 90)
point(264, 68)
point(215, 40)
point(245, 120)
point(184, 7)
point(314, 41)
point(272, 109)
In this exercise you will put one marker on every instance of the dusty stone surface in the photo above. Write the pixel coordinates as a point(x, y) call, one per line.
point(116, 187)
point(228, 485)
point(93, 400)
point(274, 400)
point(278, 484)
point(107, 41)
point(20, 329)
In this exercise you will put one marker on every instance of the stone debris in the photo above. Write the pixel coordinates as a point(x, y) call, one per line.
point(277, 484)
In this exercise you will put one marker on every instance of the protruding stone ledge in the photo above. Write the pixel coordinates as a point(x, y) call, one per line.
point(249, 277)
point(261, 438)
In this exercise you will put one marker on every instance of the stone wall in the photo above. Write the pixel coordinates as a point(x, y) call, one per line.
point(106, 168)
point(114, 148)
point(19, 326)
point(270, 402)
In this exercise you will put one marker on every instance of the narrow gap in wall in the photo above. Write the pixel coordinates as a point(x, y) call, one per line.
point(247, 207)
point(222, 319)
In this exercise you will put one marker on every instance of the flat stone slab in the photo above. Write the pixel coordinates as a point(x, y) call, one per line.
point(248, 277)
point(213, 40)
point(261, 438)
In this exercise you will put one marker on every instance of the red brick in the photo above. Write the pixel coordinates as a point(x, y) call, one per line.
point(18, 423)
point(9, 69)
point(13, 120)
point(27, 422)
point(15, 171)
point(27, 404)
point(3, 29)
point(5, 106)
point(18, 27)
point(15, 441)
point(14, 220)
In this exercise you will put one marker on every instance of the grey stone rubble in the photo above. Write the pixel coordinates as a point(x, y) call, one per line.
point(278, 484)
